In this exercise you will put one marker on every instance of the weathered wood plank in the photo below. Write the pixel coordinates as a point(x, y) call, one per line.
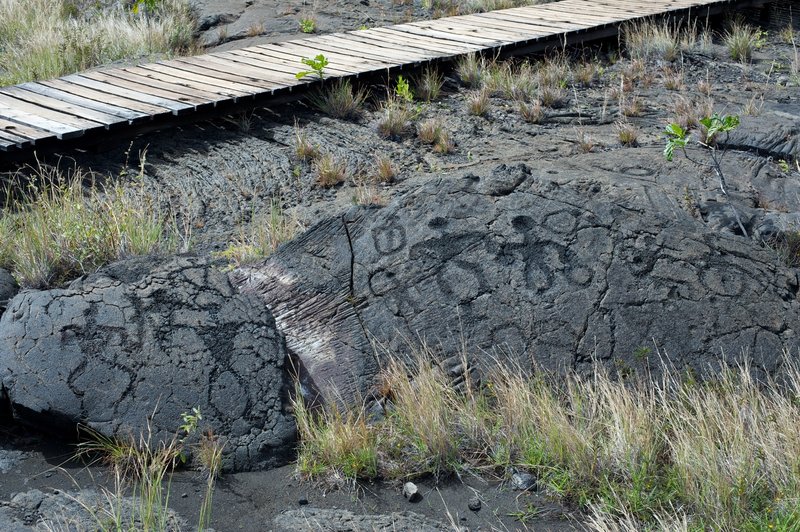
point(62, 106)
point(114, 110)
point(117, 90)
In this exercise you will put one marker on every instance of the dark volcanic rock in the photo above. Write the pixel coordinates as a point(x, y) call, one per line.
point(314, 519)
point(35, 510)
point(148, 335)
point(8, 289)
point(559, 274)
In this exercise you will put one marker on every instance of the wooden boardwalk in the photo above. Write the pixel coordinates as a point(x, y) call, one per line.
point(123, 100)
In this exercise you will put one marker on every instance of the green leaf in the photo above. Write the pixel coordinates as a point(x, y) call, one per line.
point(675, 131)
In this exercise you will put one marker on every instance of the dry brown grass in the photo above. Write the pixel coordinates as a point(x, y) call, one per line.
point(645, 452)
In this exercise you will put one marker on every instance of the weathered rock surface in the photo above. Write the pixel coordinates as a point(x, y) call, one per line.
point(82, 510)
point(149, 339)
point(519, 264)
point(314, 519)
point(8, 289)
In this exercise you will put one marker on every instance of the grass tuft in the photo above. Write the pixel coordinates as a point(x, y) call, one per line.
point(470, 70)
point(429, 84)
point(742, 40)
point(638, 454)
point(41, 39)
point(330, 170)
point(478, 103)
point(395, 119)
point(658, 40)
point(262, 236)
point(59, 226)
point(340, 100)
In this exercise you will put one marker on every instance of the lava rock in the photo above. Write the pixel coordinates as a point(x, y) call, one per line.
point(519, 263)
point(315, 519)
point(522, 481)
point(474, 504)
point(8, 289)
point(143, 341)
point(411, 492)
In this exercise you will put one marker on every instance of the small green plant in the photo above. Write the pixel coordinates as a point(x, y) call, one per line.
point(403, 90)
point(715, 125)
point(308, 25)
point(144, 6)
point(316, 65)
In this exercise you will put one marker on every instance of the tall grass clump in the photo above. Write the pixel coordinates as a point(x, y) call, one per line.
point(658, 40)
point(742, 40)
point(644, 452)
point(56, 227)
point(340, 100)
point(42, 39)
point(143, 468)
point(265, 232)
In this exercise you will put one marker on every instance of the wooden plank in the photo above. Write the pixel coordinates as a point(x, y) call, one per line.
point(190, 78)
point(412, 30)
point(9, 140)
point(293, 58)
point(121, 112)
point(420, 43)
point(293, 61)
point(32, 134)
point(187, 98)
point(353, 54)
point(366, 44)
point(267, 72)
point(555, 20)
point(522, 27)
point(64, 118)
point(481, 30)
point(61, 106)
point(445, 46)
point(260, 57)
point(585, 14)
point(215, 71)
point(356, 48)
point(35, 118)
point(117, 90)
point(553, 28)
point(223, 94)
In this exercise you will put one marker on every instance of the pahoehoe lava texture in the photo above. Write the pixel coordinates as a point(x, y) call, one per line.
point(518, 264)
point(151, 338)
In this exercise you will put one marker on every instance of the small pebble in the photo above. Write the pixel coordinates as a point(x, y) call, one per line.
point(303, 501)
point(411, 492)
point(474, 504)
point(184, 495)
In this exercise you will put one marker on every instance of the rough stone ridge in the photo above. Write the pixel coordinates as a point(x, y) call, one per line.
point(148, 339)
point(518, 265)
point(344, 521)
point(8, 289)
